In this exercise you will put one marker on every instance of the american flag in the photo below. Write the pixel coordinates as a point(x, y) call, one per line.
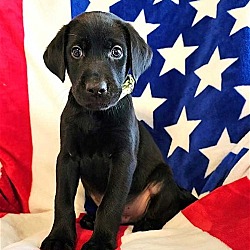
point(194, 100)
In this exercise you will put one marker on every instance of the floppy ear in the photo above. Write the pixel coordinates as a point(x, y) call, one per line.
point(54, 55)
point(139, 53)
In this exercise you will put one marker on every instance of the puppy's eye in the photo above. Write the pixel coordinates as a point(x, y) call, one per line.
point(76, 52)
point(116, 52)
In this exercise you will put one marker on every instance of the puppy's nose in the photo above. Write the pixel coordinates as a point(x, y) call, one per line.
point(94, 88)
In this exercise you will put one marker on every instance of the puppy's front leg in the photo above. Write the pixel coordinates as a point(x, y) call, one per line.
point(63, 233)
point(109, 213)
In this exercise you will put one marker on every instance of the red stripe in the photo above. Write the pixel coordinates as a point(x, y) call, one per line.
point(225, 214)
point(15, 131)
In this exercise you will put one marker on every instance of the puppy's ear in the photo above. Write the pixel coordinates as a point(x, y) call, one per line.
point(139, 53)
point(54, 55)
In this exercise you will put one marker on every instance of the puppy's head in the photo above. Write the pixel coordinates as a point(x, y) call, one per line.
point(98, 50)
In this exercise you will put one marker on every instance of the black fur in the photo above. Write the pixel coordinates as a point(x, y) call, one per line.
point(102, 142)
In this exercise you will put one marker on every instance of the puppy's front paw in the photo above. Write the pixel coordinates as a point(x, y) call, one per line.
point(56, 244)
point(98, 245)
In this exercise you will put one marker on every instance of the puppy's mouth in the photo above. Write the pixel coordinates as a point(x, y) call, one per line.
point(97, 103)
point(98, 106)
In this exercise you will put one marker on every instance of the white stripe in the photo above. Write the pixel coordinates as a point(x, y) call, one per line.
point(25, 231)
point(177, 234)
point(47, 95)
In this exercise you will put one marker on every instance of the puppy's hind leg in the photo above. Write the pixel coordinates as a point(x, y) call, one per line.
point(88, 220)
point(166, 203)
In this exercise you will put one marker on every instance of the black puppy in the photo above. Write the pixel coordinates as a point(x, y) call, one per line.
point(102, 142)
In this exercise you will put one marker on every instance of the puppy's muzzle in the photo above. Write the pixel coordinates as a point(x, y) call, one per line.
point(96, 94)
point(96, 89)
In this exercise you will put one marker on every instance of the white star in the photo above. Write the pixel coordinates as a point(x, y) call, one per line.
point(156, 1)
point(181, 131)
point(204, 8)
point(142, 27)
point(217, 153)
point(176, 1)
point(195, 194)
point(175, 57)
point(210, 73)
point(145, 106)
point(242, 16)
point(243, 143)
point(245, 92)
point(97, 5)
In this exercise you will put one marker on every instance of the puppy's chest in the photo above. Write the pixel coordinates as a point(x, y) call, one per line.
point(94, 171)
point(94, 153)
point(94, 143)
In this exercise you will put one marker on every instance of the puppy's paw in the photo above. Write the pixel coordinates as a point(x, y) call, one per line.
point(56, 244)
point(87, 222)
point(146, 225)
point(98, 245)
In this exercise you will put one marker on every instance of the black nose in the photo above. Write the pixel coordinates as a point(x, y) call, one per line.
point(97, 89)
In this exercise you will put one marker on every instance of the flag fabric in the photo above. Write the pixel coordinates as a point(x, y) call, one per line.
point(194, 100)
